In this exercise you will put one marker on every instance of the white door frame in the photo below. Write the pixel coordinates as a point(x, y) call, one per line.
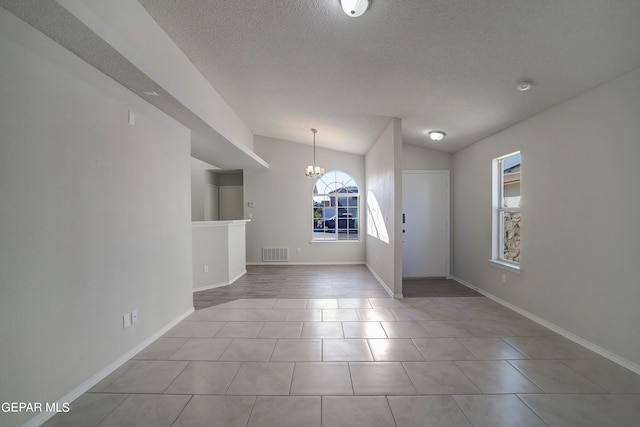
point(446, 174)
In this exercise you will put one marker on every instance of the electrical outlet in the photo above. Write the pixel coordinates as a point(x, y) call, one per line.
point(134, 316)
point(504, 278)
point(206, 268)
point(126, 320)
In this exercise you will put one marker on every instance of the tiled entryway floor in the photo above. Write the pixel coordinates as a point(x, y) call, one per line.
point(361, 362)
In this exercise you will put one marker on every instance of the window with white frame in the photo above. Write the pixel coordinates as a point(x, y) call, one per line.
point(506, 209)
point(336, 208)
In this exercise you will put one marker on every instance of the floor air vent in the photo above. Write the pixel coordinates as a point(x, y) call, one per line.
point(275, 254)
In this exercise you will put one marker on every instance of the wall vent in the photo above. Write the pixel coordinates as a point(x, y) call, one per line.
point(275, 254)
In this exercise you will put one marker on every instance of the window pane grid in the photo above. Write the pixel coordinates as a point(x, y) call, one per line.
point(335, 208)
point(508, 209)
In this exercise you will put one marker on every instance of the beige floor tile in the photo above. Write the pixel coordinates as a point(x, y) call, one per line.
point(431, 411)
point(204, 378)
point(321, 378)
point(322, 303)
point(375, 314)
point(496, 376)
point(380, 378)
point(410, 313)
point(497, 410)
point(353, 303)
point(612, 377)
point(339, 314)
point(445, 329)
point(568, 410)
point(88, 410)
point(216, 411)
point(191, 329)
point(160, 349)
point(262, 378)
point(240, 330)
point(322, 330)
point(370, 411)
point(297, 351)
point(404, 329)
point(392, 350)
point(249, 350)
point(304, 314)
point(281, 330)
point(438, 378)
point(156, 410)
point(624, 408)
point(363, 330)
point(347, 350)
point(147, 376)
point(553, 376)
point(549, 347)
point(442, 349)
point(290, 303)
point(490, 348)
point(201, 349)
point(292, 411)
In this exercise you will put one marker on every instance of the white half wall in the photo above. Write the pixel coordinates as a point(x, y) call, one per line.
point(94, 219)
point(580, 212)
point(283, 214)
point(384, 190)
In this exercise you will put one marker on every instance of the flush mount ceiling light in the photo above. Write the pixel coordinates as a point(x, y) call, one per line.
point(436, 135)
point(524, 85)
point(314, 171)
point(354, 8)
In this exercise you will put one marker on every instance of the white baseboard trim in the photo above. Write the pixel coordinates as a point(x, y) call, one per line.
point(220, 284)
point(100, 375)
point(239, 275)
point(207, 287)
point(309, 263)
point(379, 279)
point(634, 367)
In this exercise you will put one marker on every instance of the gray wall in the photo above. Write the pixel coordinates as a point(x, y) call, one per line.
point(201, 175)
point(422, 158)
point(94, 219)
point(580, 212)
point(384, 182)
point(283, 206)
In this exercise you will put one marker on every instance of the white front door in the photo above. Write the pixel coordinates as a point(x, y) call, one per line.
point(425, 237)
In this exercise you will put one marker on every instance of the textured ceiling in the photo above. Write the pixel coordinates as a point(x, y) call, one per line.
point(285, 66)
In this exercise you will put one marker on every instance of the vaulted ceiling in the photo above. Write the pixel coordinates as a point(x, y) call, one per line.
point(285, 66)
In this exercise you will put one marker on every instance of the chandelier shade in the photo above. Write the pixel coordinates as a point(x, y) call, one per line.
point(314, 171)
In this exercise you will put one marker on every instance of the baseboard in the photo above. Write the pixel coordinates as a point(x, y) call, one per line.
point(634, 367)
point(220, 284)
point(95, 379)
point(309, 263)
point(213, 286)
point(233, 279)
point(384, 285)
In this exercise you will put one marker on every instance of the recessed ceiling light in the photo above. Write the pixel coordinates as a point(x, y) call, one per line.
point(354, 8)
point(436, 135)
point(524, 85)
point(150, 93)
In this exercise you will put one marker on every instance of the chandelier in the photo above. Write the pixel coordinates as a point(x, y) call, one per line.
point(314, 171)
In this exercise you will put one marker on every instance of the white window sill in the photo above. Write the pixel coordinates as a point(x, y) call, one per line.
point(514, 268)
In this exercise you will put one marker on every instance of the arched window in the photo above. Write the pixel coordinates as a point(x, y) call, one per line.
point(336, 208)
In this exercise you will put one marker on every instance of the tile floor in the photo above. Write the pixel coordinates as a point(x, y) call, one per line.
point(361, 362)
